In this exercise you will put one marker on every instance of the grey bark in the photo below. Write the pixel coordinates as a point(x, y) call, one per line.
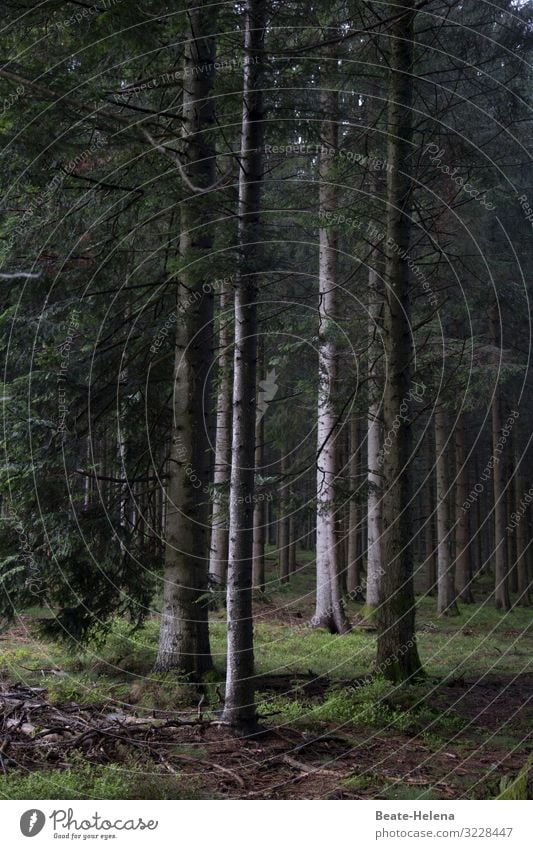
point(501, 589)
point(445, 587)
point(397, 653)
point(184, 633)
point(524, 584)
point(260, 512)
point(218, 564)
point(430, 552)
point(463, 562)
point(355, 518)
point(239, 705)
point(374, 436)
point(329, 611)
point(292, 545)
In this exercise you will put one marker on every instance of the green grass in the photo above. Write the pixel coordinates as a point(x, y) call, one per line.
point(479, 641)
point(95, 781)
point(399, 790)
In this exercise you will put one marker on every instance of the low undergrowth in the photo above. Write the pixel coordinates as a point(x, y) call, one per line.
point(467, 714)
point(81, 780)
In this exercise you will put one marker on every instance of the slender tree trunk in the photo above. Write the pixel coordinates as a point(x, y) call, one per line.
point(292, 545)
point(512, 558)
point(397, 652)
point(524, 587)
point(445, 589)
point(220, 519)
point(528, 566)
point(355, 535)
point(502, 599)
point(463, 562)
point(258, 570)
point(184, 633)
point(239, 705)
point(374, 440)
point(480, 531)
point(329, 611)
point(431, 559)
point(343, 514)
point(284, 523)
point(272, 526)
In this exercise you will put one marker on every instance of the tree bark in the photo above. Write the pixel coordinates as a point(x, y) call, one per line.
point(184, 633)
point(284, 523)
point(292, 545)
point(524, 584)
point(463, 562)
point(482, 566)
point(329, 611)
point(509, 507)
point(445, 589)
point(431, 560)
point(397, 654)
point(501, 589)
point(258, 569)
point(355, 532)
point(239, 705)
point(220, 516)
point(374, 440)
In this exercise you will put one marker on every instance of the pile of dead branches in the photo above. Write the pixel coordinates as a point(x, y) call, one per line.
point(35, 734)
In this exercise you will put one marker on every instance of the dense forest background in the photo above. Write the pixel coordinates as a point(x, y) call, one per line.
point(267, 398)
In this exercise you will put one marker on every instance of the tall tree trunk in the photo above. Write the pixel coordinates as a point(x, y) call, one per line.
point(445, 589)
point(397, 653)
point(510, 493)
point(355, 535)
point(374, 439)
point(512, 558)
point(501, 589)
point(431, 559)
point(184, 633)
point(284, 522)
point(239, 705)
point(343, 513)
point(218, 564)
point(481, 529)
point(463, 561)
point(524, 588)
point(329, 611)
point(292, 545)
point(258, 569)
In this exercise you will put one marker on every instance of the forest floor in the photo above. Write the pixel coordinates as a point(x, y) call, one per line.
point(96, 723)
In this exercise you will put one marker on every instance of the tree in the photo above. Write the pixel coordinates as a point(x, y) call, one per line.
point(219, 520)
point(329, 611)
point(522, 544)
point(355, 518)
point(397, 653)
point(374, 437)
point(445, 587)
point(463, 563)
point(501, 574)
point(184, 633)
point(239, 706)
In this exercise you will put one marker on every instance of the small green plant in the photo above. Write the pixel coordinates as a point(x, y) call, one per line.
point(518, 787)
point(359, 782)
point(284, 710)
point(408, 791)
point(83, 689)
point(84, 780)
